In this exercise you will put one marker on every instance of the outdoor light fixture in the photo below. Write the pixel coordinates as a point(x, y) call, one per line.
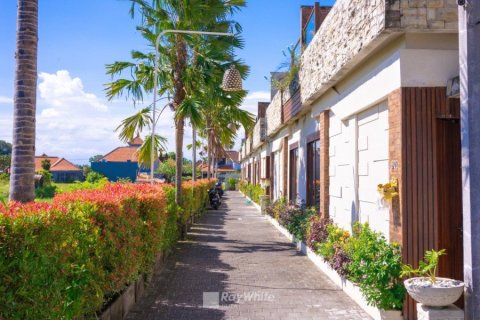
point(232, 80)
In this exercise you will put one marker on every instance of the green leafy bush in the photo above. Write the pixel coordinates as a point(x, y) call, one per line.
point(46, 192)
point(66, 259)
point(294, 219)
point(254, 192)
point(317, 231)
point(232, 182)
point(168, 169)
point(336, 238)
point(376, 266)
point(94, 177)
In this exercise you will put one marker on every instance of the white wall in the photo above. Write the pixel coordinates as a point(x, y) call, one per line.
point(358, 163)
point(342, 170)
point(373, 140)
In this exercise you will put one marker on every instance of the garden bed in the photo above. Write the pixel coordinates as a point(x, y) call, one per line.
point(351, 289)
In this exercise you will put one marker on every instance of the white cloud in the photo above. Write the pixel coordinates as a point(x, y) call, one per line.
point(77, 124)
point(251, 104)
point(5, 100)
point(61, 91)
point(252, 99)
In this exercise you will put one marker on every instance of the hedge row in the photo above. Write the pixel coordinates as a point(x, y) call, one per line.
point(67, 259)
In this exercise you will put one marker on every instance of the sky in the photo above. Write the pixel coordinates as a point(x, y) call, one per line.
point(77, 38)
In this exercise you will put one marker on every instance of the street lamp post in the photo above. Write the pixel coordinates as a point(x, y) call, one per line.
point(232, 80)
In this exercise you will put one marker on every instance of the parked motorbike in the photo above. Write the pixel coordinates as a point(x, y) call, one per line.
point(218, 187)
point(214, 197)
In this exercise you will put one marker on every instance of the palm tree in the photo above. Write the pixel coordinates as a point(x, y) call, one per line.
point(22, 184)
point(132, 127)
point(182, 57)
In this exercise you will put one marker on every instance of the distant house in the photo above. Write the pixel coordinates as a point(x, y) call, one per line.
point(227, 166)
point(121, 162)
point(62, 170)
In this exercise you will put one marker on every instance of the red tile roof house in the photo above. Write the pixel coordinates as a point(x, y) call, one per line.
point(227, 166)
point(62, 170)
point(121, 162)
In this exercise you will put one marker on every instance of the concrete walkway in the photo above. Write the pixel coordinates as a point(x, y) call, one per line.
point(235, 255)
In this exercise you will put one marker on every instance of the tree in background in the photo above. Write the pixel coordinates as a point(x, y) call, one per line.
point(95, 158)
point(182, 57)
point(5, 162)
point(46, 165)
point(22, 183)
point(5, 148)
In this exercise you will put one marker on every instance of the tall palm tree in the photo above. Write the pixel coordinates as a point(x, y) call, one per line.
point(180, 56)
point(22, 184)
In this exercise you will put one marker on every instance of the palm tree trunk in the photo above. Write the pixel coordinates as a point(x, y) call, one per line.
point(209, 148)
point(179, 131)
point(194, 153)
point(179, 86)
point(22, 183)
point(209, 155)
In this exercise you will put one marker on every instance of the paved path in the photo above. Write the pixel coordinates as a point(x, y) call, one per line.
point(235, 251)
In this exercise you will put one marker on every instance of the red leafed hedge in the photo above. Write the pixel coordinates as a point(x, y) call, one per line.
point(66, 259)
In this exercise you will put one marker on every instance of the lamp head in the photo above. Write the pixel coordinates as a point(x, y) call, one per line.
point(232, 80)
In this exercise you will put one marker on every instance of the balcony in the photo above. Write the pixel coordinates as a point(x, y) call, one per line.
point(248, 146)
point(354, 29)
point(259, 133)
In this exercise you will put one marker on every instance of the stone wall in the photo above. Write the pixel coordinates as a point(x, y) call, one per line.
point(259, 133)
point(248, 146)
point(274, 114)
point(354, 28)
point(420, 15)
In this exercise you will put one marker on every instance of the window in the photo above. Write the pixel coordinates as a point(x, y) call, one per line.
point(309, 31)
point(313, 174)
point(293, 174)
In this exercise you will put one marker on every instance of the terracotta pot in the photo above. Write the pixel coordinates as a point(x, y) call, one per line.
point(434, 296)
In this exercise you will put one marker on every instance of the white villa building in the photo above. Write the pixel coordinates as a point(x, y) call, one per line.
point(371, 105)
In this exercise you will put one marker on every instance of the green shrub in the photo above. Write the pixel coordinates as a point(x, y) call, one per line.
point(231, 183)
point(168, 169)
point(45, 192)
point(317, 231)
point(336, 239)
point(254, 192)
point(94, 177)
point(376, 266)
point(66, 259)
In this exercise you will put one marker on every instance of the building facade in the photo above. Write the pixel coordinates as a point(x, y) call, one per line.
point(371, 106)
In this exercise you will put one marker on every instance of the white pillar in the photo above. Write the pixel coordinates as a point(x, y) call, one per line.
point(469, 34)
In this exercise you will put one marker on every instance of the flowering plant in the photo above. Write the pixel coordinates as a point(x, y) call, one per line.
point(388, 190)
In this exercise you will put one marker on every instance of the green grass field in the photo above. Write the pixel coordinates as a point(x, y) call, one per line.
point(3, 188)
point(61, 187)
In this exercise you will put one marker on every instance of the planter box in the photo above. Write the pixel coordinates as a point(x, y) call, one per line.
point(351, 289)
point(119, 308)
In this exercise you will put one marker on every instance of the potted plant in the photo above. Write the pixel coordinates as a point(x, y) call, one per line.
point(427, 288)
point(389, 190)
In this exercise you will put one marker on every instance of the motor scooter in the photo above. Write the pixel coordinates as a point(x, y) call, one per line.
point(214, 197)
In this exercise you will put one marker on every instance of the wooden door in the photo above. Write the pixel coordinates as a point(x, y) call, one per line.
point(431, 191)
